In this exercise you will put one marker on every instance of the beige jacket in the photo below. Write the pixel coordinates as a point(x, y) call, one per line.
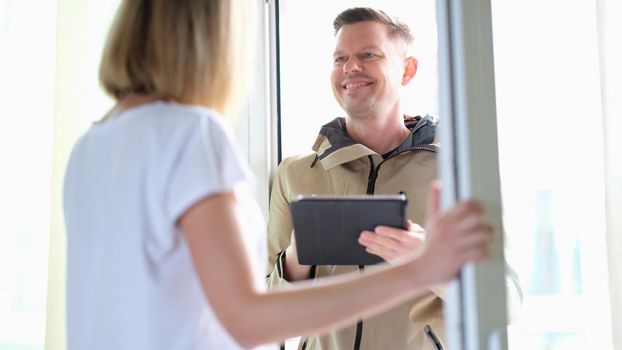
point(342, 166)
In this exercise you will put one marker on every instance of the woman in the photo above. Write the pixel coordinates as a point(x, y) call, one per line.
point(164, 245)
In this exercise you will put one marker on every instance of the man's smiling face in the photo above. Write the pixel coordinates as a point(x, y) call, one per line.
point(368, 69)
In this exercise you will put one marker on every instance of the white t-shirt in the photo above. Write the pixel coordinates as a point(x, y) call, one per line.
point(131, 283)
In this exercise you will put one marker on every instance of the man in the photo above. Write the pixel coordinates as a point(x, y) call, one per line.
point(375, 149)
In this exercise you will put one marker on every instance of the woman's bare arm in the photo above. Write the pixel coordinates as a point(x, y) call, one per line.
point(214, 235)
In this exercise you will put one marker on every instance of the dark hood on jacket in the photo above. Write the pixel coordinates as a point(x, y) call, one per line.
point(422, 132)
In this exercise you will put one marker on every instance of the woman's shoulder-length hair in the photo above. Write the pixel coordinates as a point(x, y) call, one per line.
point(189, 51)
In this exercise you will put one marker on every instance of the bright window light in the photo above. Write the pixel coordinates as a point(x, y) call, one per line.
point(550, 146)
point(307, 45)
point(552, 171)
point(26, 94)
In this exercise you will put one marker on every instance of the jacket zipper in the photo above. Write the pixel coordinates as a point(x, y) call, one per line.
point(371, 187)
point(432, 337)
point(371, 184)
point(433, 149)
point(373, 170)
point(373, 175)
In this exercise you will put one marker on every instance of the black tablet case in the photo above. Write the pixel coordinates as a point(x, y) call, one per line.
point(327, 228)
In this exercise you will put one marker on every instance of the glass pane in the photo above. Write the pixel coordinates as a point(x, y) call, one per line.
point(26, 96)
point(306, 50)
point(34, 71)
point(550, 150)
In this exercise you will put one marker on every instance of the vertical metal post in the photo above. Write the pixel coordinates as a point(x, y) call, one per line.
point(475, 310)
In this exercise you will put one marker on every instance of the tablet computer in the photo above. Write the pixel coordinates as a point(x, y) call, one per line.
point(327, 228)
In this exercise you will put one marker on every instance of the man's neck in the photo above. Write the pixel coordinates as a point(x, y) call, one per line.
point(379, 134)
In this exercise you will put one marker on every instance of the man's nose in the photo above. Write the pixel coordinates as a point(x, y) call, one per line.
point(353, 65)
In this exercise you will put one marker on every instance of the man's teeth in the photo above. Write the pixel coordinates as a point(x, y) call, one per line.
point(354, 85)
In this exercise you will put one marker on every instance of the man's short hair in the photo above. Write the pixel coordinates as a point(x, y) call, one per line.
point(395, 27)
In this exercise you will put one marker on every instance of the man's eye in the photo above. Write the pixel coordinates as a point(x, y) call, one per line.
point(368, 55)
point(340, 60)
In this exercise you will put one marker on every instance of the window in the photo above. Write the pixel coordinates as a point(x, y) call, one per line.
point(306, 49)
point(26, 153)
point(550, 146)
point(552, 171)
point(49, 93)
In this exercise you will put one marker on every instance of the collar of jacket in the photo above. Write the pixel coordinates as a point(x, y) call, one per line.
point(334, 146)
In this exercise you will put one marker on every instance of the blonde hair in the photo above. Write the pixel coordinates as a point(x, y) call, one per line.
point(189, 51)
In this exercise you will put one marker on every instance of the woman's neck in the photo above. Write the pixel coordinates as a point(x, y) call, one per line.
point(129, 101)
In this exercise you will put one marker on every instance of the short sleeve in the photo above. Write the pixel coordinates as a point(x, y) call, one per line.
point(207, 162)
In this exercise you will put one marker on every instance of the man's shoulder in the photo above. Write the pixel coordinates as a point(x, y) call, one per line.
point(298, 161)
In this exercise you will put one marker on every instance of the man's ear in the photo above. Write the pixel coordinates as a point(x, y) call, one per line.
point(410, 69)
